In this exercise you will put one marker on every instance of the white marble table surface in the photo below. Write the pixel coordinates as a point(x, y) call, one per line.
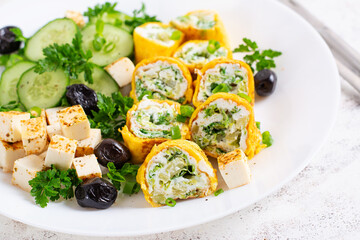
point(322, 202)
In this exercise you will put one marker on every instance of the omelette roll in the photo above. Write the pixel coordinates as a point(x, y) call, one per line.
point(202, 25)
point(176, 169)
point(223, 123)
point(162, 78)
point(224, 75)
point(151, 122)
point(156, 39)
point(196, 53)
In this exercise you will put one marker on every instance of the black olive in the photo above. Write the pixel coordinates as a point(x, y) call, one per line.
point(7, 41)
point(265, 82)
point(110, 150)
point(96, 193)
point(81, 94)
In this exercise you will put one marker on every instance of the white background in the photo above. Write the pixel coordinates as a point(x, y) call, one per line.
point(322, 202)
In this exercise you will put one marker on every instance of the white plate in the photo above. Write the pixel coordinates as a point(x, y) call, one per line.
point(299, 115)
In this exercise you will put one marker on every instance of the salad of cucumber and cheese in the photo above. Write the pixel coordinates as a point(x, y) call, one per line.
point(66, 130)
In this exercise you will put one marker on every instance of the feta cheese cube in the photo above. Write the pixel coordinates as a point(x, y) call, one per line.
point(54, 129)
point(61, 152)
point(52, 115)
point(121, 70)
point(87, 167)
point(74, 123)
point(34, 136)
point(25, 169)
point(234, 168)
point(87, 146)
point(10, 128)
point(77, 17)
point(43, 155)
point(9, 152)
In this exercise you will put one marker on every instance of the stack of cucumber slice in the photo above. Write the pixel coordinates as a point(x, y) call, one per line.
point(21, 83)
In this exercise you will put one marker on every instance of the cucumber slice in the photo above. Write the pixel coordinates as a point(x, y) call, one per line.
point(42, 90)
point(10, 78)
point(122, 40)
point(117, 19)
point(59, 31)
point(103, 82)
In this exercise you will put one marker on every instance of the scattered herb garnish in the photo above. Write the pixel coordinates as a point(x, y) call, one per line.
point(53, 184)
point(10, 106)
point(262, 58)
point(19, 35)
point(35, 112)
point(258, 125)
point(100, 9)
point(140, 17)
point(213, 46)
point(124, 175)
point(176, 35)
point(170, 202)
point(218, 192)
point(185, 112)
point(267, 138)
point(245, 96)
point(175, 132)
point(222, 87)
point(111, 115)
point(70, 58)
point(99, 40)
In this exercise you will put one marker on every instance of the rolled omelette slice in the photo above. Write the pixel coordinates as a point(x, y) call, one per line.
point(196, 53)
point(162, 78)
point(220, 75)
point(223, 123)
point(151, 122)
point(176, 169)
point(154, 39)
point(202, 25)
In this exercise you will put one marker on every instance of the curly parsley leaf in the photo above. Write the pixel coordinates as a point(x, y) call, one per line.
point(263, 59)
point(140, 17)
point(124, 175)
point(111, 115)
point(68, 57)
point(52, 184)
point(100, 9)
point(18, 34)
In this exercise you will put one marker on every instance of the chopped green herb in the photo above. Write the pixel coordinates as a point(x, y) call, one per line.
point(111, 115)
point(175, 132)
point(71, 58)
point(186, 110)
point(53, 184)
point(222, 87)
point(245, 96)
point(258, 125)
point(8, 60)
point(218, 192)
point(213, 46)
point(181, 118)
point(35, 112)
point(19, 35)
point(170, 202)
point(262, 59)
point(267, 138)
point(176, 35)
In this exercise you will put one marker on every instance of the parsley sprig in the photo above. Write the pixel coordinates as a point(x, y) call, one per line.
point(124, 175)
point(10, 106)
point(263, 59)
point(111, 115)
point(100, 9)
point(69, 57)
point(140, 17)
point(52, 184)
point(19, 35)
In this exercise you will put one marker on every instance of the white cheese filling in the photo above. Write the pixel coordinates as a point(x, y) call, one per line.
point(199, 20)
point(163, 79)
point(221, 127)
point(161, 35)
point(234, 76)
point(154, 120)
point(173, 173)
point(197, 53)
